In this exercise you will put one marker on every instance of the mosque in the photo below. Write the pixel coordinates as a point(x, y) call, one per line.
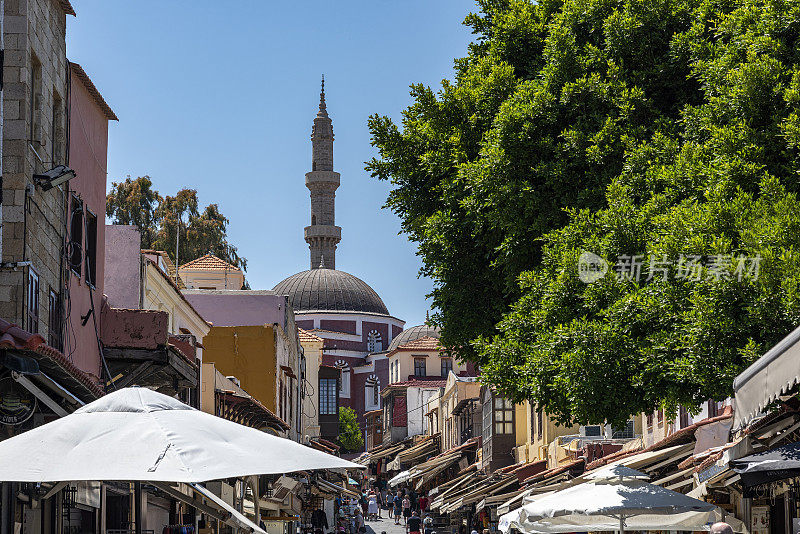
point(352, 319)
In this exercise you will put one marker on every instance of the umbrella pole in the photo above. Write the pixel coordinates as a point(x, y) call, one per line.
point(621, 524)
point(137, 506)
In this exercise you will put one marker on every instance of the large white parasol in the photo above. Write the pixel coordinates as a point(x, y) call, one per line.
point(612, 500)
point(136, 434)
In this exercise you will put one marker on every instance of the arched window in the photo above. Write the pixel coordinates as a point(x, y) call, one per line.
point(313, 220)
point(372, 393)
point(344, 383)
point(374, 343)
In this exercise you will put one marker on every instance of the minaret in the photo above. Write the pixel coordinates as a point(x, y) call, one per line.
point(323, 235)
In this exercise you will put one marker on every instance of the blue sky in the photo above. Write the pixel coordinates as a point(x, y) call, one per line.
point(220, 96)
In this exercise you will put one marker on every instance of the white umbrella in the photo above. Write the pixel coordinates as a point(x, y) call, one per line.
point(613, 499)
point(136, 434)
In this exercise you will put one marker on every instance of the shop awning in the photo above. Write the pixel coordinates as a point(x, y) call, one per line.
point(769, 466)
point(219, 509)
point(772, 375)
point(330, 486)
point(422, 449)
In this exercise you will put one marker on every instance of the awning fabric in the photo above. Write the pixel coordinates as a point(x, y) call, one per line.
point(330, 486)
point(771, 376)
point(769, 466)
point(399, 478)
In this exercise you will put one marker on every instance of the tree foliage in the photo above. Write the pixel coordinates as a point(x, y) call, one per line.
point(350, 437)
point(667, 129)
point(135, 202)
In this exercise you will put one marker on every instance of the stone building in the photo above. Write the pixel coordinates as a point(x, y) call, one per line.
point(33, 233)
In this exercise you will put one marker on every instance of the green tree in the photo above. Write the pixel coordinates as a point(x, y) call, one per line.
point(135, 202)
point(350, 437)
point(537, 120)
point(666, 129)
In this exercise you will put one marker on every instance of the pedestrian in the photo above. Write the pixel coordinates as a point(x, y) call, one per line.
point(372, 507)
point(428, 524)
point(398, 507)
point(406, 509)
point(414, 523)
point(360, 525)
point(423, 504)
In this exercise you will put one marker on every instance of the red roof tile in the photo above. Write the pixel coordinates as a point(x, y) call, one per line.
point(15, 338)
point(209, 262)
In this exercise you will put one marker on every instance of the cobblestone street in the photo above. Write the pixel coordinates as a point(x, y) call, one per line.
point(385, 525)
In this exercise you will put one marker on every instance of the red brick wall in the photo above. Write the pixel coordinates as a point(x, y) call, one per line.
point(396, 331)
point(399, 412)
point(347, 327)
point(382, 328)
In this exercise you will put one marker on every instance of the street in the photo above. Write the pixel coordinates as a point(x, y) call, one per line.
point(385, 525)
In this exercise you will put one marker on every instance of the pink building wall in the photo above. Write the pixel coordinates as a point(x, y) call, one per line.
point(88, 148)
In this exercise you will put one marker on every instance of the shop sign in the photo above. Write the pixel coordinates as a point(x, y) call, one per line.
point(710, 472)
point(17, 404)
point(759, 522)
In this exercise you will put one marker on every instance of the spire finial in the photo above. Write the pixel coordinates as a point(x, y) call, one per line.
point(322, 261)
point(322, 106)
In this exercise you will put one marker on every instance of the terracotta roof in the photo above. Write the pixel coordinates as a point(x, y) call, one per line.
point(423, 343)
point(305, 335)
point(684, 435)
point(328, 331)
point(67, 7)
point(556, 471)
point(176, 288)
point(418, 383)
point(410, 334)
point(209, 262)
point(87, 82)
point(15, 338)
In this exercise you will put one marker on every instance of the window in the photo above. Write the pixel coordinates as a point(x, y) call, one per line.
point(35, 101)
point(76, 236)
point(56, 131)
point(419, 367)
point(503, 416)
point(715, 408)
point(685, 418)
point(539, 424)
point(376, 395)
point(91, 248)
point(372, 396)
point(374, 343)
point(327, 396)
point(447, 366)
point(344, 385)
point(650, 421)
point(33, 302)
point(291, 402)
point(660, 415)
point(625, 433)
point(281, 395)
point(54, 327)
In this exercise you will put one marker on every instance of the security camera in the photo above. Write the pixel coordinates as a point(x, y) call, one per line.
point(54, 177)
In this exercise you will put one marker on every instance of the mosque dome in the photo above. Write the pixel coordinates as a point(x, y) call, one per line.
point(414, 333)
point(330, 290)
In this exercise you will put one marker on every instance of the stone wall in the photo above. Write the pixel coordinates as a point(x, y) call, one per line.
point(34, 97)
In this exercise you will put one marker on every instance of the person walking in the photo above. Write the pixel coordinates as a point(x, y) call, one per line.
point(398, 508)
point(414, 523)
point(423, 505)
point(406, 509)
point(372, 506)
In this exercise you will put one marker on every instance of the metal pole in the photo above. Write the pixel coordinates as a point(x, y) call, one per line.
point(137, 506)
point(177, 245)
point(621, 525)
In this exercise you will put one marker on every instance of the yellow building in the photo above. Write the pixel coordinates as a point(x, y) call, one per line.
point(265, 359)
